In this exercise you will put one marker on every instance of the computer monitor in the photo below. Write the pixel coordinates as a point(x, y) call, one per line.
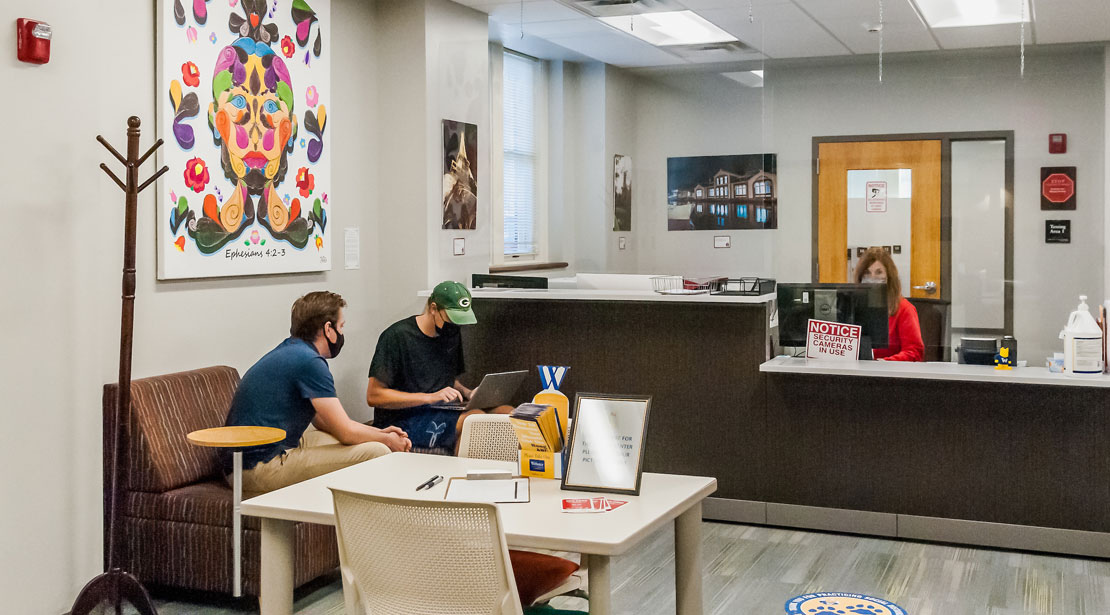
point(855, 304)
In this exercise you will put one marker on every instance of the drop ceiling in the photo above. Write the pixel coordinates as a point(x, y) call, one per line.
point(779, 29)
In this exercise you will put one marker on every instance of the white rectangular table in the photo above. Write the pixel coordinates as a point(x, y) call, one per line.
point(538, 524)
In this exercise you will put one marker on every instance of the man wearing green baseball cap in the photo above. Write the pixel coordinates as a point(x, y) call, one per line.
point(416, 366)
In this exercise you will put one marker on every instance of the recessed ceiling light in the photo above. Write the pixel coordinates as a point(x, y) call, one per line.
point(757, 73)
point(962, 13)
point(670, 28)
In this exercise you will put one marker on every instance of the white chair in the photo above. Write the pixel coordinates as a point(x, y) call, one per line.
point(488, 436)
point(491, 436)
point(401, 557)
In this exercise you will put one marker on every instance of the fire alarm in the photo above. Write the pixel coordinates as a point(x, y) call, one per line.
point(32, 41)
point(1058, 143)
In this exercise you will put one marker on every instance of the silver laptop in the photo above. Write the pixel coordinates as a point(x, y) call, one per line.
point(494, 390)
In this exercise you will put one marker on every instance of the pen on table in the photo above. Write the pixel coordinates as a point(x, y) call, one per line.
point(431, 482)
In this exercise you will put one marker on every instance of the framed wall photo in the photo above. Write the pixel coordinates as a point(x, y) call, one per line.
point(606, 451)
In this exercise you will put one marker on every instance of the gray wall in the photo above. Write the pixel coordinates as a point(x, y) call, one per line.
point(1063, 91)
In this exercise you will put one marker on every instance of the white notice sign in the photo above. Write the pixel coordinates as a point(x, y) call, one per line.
point(606, 448)
point(876, 197)
point(832, 340)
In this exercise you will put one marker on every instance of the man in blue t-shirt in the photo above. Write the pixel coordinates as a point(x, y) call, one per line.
point(291, 387)
point(416, 366)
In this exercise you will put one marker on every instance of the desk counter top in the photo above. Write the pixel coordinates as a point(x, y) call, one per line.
point(575, 294)
point(929, 371)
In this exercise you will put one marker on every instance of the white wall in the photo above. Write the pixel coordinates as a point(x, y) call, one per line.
point(1063, 91)
point(695, 116)
point(63, 237)
point(457, 82)
point(620, 138)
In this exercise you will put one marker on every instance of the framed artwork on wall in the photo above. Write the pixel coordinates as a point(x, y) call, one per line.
point(460, 172)
point(713, 193)
point(244, 90)
point(622, 193)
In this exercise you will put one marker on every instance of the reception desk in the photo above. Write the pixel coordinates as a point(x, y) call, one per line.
point(697, 356)
point(939, 451)
point(931, 451)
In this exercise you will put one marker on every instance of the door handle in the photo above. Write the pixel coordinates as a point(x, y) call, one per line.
point(928, 287)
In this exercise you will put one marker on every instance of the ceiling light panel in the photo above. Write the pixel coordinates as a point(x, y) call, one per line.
point(670, 28)
point(964, 13)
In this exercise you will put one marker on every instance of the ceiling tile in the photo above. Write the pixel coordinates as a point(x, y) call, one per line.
point(618, 49)
point(547, 10)
point(1072, 21)
point(896, 37)
point(780, 31)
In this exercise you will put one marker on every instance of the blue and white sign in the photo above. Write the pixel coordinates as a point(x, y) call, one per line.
point(839, 603)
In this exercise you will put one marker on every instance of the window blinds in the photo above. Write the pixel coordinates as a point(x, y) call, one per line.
point(520, 154)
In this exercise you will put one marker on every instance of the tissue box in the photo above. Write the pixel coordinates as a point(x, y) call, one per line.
point(541, 465)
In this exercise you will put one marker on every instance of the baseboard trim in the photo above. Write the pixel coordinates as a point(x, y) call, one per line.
point(1004, 535)
point(911, 527)
point(833, 519)
point(736, 511)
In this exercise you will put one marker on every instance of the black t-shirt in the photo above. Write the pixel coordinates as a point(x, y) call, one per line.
point(407, 360)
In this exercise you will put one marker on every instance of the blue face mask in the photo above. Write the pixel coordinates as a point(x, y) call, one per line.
point(870, 279)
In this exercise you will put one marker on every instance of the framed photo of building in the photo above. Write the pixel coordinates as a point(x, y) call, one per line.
point(714, 193)
point(606, 449)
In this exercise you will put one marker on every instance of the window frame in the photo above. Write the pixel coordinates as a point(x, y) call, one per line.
point(498, 258)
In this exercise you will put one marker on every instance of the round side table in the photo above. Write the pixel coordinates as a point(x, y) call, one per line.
point(237, 438)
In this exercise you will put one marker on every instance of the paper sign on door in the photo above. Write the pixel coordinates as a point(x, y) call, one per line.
point(876, 197)
point(832, 340)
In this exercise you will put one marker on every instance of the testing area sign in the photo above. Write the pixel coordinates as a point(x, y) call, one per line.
point(832, 340)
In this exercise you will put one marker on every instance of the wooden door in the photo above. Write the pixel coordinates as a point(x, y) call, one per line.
point(924, 159)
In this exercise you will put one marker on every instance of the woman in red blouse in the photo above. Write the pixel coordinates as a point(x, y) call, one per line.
point(876, 267)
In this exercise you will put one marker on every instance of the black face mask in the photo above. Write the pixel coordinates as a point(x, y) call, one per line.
point(337, 345)
point(447, 326)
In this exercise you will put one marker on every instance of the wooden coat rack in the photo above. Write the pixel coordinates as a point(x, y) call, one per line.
point(115, 585)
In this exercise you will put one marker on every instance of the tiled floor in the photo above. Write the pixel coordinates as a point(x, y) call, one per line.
point(752, 570)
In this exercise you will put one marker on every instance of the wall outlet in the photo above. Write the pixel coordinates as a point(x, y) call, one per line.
point(460, 246)
point(722, 241)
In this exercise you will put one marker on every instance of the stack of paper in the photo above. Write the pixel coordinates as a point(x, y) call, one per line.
point(538, 428)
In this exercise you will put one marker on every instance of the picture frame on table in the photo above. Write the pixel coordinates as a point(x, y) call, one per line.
point(606, 448)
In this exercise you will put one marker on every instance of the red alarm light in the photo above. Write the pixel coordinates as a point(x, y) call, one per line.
point(1058, 143)
point(32, 41)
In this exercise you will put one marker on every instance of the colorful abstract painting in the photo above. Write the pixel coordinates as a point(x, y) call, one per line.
point(460, 170)
point(244, 90)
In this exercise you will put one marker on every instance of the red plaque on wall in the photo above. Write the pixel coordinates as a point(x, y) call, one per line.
point(1057, 188)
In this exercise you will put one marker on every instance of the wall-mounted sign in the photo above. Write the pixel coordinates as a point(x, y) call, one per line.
point(832, 340)
point(876, 197)
point(1057, 231)
point(607, 443)
point(1057, 188)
